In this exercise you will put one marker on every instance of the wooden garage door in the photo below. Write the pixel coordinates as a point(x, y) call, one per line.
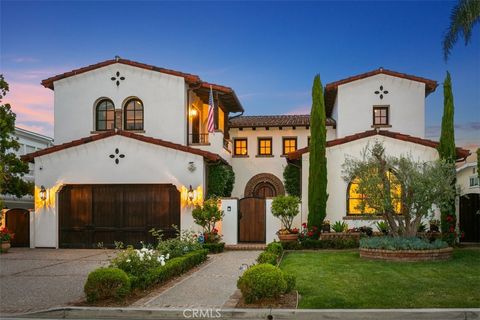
point(93, 214)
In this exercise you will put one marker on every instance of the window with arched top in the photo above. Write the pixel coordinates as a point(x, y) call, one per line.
point(133, 115)
point(356, 204)
point(104, 115)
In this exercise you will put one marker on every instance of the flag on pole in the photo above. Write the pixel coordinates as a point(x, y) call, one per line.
point(211, 106)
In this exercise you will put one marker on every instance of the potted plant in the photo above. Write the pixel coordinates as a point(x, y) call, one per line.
point(340, 226)
point(5, 237)
point(285, 208)
point(326, 226)
point(207, 216)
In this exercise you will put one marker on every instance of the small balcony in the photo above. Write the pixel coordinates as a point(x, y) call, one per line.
point(198, 139)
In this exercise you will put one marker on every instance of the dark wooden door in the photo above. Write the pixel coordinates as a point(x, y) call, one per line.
point(470, 217)
point(18, 222)
point(264, 190)
point(93, 214)
point(251, 220)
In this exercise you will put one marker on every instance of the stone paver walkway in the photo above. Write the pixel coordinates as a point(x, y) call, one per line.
point(209, 287)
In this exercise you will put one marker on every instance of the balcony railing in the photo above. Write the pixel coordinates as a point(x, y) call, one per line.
point(198, 138)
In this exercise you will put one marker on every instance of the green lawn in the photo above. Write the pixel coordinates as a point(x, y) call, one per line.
point(340, 279)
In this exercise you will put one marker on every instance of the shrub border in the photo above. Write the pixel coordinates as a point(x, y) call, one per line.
point(406, 255)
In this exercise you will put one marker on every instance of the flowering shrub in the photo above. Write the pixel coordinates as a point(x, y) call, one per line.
point(6, 235)
point(309, 232)
point(185, 241)
point(212, 236)
point(450, 236)
point(137, 262)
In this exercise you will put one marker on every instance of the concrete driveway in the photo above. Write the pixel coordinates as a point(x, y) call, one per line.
point(37, 279)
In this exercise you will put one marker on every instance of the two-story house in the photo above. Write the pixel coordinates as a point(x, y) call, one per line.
point(133, 150)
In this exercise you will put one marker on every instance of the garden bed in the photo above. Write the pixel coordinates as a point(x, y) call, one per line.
point(340, 235)
point(407, 255)
point(285, 301)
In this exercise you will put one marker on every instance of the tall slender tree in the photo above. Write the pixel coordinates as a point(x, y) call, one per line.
point(462, 19)
point(446, 150)
point(317, 178)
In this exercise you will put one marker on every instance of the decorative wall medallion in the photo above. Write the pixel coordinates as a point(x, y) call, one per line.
point(381, 92)
point(117, 78)
point(117, 156)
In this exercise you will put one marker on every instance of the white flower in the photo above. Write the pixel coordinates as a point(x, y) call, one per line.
point(128, 260)
point(162, 263)
point(167, 256)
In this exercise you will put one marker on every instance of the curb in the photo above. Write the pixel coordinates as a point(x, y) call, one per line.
point(271, 314)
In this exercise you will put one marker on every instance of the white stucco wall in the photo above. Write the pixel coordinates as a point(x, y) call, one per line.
point(463, 179)
point(163, 97)
point(90, 164)
point(229, 224)
point(355, 101)
point(247, 167)
point(337, 187)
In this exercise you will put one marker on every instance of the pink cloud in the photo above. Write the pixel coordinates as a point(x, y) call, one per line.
point(299, 110)
point(31, 102)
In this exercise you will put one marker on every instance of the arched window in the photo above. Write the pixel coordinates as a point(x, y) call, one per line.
point(133, 115)
point(105, 115)
point(355, 199)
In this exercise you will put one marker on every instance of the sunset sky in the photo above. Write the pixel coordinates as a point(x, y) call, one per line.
point(268, 52)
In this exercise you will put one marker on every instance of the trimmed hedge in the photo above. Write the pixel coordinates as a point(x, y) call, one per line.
point(262, 281)
point(268, 257)
point(333, 243)
point(172, 268)
point(107, 283)
point(214, 247)
point(275, 248)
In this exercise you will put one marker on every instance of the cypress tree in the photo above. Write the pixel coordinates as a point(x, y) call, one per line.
point(317, 178)
point(446, 150)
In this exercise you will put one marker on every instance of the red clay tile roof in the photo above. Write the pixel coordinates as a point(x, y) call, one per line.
point(331, 88)
point(301, 120)
point(207, 155)
point(461, 153)
point(228, 95)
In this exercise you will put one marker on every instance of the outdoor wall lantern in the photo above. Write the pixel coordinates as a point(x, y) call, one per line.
point(191, 194)
point(43, 193)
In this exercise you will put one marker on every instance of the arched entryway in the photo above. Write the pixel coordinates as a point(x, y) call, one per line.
point(470, 217)
point(18, 222)
point(264, 185)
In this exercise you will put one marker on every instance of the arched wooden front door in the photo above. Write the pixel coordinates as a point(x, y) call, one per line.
point(18, 222)
point(264, 190)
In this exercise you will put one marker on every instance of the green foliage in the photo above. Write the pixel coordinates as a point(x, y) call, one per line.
point(401, 243)
point(464, 16)
point(291, 179)
point(285, 208)
point(262, 281)
point(184, 241)
point(221, 179)
point(173, 267)
point(106, 283)
point(340, 226)
point(207, 215)
point(317, 178)
point(275, 248)
point(136, 262)
point(291, 245)
point(333, 243)
point(383, 227)
point(423, 186)
point(215, 247)
point(12, 169)
point(291, 281)
point(446, 150)
point(267, 257)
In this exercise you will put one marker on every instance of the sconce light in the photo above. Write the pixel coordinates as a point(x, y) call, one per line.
point(191, 194)
point(191, 166)
point(43, 193)
point(193, 112)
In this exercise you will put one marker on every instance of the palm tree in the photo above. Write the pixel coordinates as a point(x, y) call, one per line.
point(464, 16)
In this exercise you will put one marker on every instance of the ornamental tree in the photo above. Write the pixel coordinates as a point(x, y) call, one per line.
point(446, 150)
point(317, 177)
point(291, 179)
point(207, 215)
point(286, 209)
point(221, 179)
point(12, 169)
point(424, 185)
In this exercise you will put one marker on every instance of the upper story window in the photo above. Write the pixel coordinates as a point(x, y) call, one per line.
point(240, 147)
point(264, 146)
point(380, 116)
point(133, 113)
point(474, 181)
point(289, 145)
point(105, 115)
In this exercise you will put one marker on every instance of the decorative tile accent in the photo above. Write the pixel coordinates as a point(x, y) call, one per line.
point(117, 156)
point(381, 92)
point(117, 78)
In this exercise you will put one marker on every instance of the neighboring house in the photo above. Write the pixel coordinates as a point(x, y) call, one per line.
point(29, 142)
point(133, 151)
point(469, 200)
